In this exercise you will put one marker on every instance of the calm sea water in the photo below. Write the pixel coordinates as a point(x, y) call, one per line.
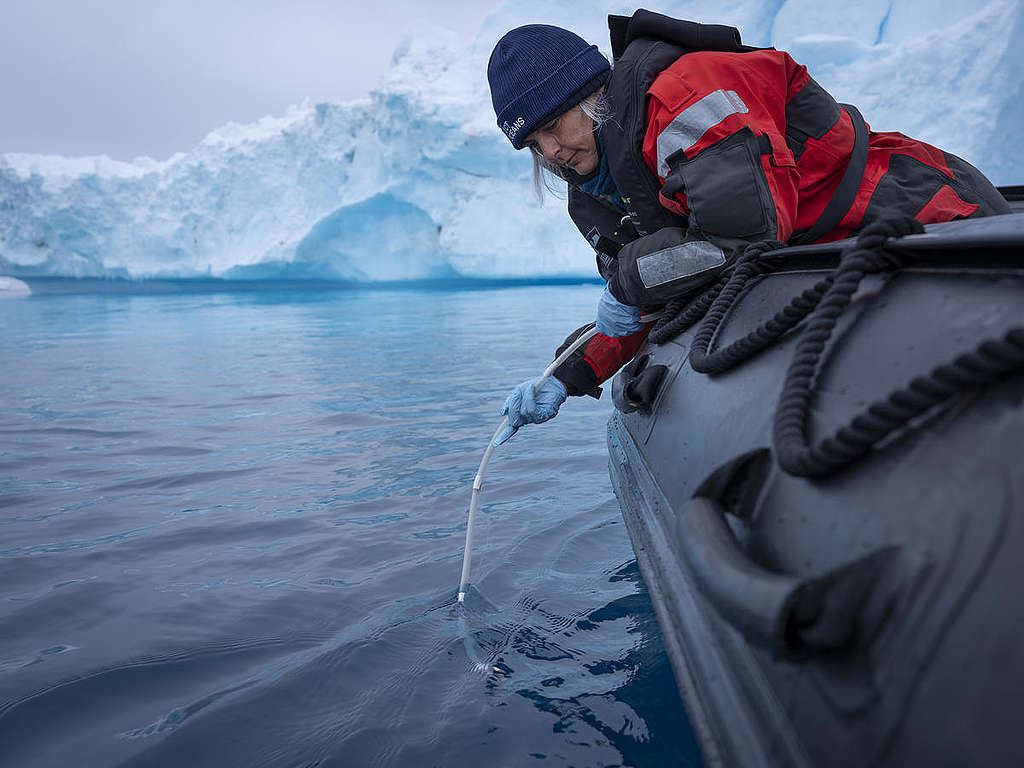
point(231, 531)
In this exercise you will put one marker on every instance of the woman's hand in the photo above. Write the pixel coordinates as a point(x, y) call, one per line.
point(524, 406)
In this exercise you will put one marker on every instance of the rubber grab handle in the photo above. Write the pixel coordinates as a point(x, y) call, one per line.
point(795, 617)
point(754, 600)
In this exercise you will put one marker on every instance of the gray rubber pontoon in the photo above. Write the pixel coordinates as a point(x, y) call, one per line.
point(867, 611)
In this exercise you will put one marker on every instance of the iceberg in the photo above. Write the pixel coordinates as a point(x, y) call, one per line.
point(416, 182)
point(11, 287)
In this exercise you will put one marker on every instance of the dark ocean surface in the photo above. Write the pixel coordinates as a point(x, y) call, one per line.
point(231, 529)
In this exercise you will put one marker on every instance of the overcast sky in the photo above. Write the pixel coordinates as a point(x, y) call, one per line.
point(152, 77)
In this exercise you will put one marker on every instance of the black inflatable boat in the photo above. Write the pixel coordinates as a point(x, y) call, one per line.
point(829, 513)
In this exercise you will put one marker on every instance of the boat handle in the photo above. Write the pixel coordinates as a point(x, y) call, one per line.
point(637, 385)
point(794, 617)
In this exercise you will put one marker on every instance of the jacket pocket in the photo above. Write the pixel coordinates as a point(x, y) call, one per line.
point(726, 188)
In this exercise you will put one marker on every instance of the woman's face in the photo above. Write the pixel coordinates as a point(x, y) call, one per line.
point(568, 141)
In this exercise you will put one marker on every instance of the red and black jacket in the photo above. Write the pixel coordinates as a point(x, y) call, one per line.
point(737, 145)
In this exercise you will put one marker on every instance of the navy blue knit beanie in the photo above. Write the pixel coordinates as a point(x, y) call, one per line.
point(536, 73)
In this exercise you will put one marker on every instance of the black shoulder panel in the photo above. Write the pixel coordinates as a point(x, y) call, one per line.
point(685, 34)
point(643, 45)
point(642, 61)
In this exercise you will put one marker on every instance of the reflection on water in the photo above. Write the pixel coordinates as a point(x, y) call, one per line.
point(231, 531)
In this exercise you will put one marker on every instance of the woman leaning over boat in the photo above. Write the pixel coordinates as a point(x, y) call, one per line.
point(690, 148)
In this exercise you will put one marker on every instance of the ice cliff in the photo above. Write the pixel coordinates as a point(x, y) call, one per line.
point(416, 181)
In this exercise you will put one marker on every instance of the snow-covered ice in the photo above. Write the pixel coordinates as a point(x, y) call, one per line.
point(11, 287)
point(416, 181)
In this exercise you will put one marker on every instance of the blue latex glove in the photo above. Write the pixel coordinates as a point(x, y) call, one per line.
point(615, 318)
point(524, 406)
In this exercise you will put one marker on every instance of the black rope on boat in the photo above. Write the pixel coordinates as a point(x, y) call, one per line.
point(680, 314)
point(755, 262)
point(824, 303)
point(989, 361)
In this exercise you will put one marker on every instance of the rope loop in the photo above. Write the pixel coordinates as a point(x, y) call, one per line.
point(871, 252)
point(681, 313)
point(820, 307)
point(757, 260)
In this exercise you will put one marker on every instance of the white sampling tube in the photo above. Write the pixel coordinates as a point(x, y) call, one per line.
point(478, 481)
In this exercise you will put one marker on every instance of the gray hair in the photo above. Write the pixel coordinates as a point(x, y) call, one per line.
point(597, 107)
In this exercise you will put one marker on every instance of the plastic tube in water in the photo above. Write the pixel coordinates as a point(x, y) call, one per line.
point(478, 481)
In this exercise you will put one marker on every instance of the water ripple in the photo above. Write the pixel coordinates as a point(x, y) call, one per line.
point(232, 532)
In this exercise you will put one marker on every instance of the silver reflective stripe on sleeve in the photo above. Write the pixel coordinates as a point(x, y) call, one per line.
point(692, 123)
point(686, 260)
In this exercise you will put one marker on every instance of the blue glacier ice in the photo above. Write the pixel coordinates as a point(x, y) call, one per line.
point(416, 182)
